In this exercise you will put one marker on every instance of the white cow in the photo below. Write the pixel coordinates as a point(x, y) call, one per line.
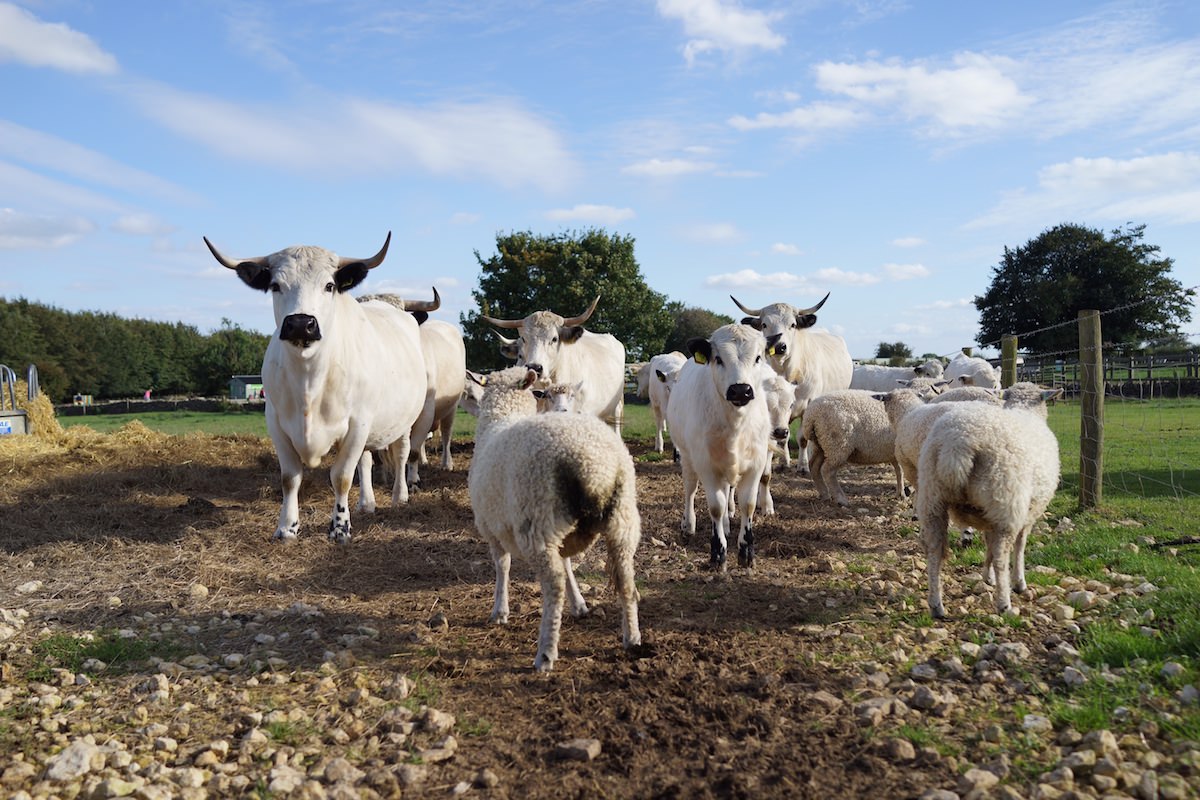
point(337, 373)
point(661, 368)
point(879, 378)
point(560, 351)
point(814, 359)
point(445, 370)
point(719, 425)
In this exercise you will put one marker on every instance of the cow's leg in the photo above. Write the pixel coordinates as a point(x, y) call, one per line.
point(502, 561)
point(399, 450)
point(341, 477)
point(420, 432)
point(718, 504)
point(747, 492)
point(290, 472)
point(366, 489)
point(660, 427)
point(690, 483)
point(765, 501)
point(577, 605)
point(551, 571)
point(446, 431)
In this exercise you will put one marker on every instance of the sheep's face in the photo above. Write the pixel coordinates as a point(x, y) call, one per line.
point(780, 394)
point(732, 356)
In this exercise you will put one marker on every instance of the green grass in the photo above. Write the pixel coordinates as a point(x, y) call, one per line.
point(67, 651)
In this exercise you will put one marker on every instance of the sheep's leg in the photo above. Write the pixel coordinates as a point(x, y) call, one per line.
point(718, 503)
point(621, 538)
point(578, 606)
point(553, 580)
point(1003, 541)
point(747, 490)
point(366, 490)
point(901, 490)
point(829, 471)
point(989, 565)
point(818, 477)
point(398, 454)
point(933, 535)
point(690, 483)
point(502, 561)
point(290, 472)
point(1018, 572)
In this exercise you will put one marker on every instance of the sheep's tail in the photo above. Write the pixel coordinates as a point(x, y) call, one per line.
point(953, 465)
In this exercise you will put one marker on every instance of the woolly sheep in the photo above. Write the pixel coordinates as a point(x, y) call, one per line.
point(546, 486)
point(559, 397)
point(849, 426)
point(878, 378)
point(965, 370)
point(992, 468)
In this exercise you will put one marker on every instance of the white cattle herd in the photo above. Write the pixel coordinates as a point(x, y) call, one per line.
point(376, 374)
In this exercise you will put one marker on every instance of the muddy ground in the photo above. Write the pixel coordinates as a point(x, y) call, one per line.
point(746, 685)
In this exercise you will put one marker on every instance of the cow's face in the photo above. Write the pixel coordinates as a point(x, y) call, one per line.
point(732, 355)
point(542, 337)
point(779, 323)
point(306, 285)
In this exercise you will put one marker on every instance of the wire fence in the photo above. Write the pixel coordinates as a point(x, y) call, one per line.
point(1132, 421)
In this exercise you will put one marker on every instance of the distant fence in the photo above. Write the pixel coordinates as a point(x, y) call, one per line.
point(1141, 377)
point(143, 406)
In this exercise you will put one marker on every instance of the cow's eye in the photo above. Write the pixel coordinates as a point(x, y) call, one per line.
point(275, 286)
point(795, 325)
point(758, 359)
point(717, 360)
point(554, 340)
point(331, 287)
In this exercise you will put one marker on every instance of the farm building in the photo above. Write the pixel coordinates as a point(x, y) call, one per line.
point(245, 387)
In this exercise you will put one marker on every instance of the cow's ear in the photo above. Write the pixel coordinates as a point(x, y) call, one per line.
point(662, 376)
point(255, 275)
point(700, 348)
point(350, 276)
point(570, 335)
point(421, 316)
point(510, 350)
point(806, 321)
point(753, 322)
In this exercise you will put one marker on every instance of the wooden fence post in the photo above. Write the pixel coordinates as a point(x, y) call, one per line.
point(1008, 361)
point(1091, 426)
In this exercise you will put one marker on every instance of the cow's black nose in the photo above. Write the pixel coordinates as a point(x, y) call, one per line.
point(302, 329)
point(780, 433)
point(739, 394)
point(536, 368)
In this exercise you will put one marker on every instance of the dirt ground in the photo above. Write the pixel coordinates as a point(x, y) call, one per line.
point(744, 686)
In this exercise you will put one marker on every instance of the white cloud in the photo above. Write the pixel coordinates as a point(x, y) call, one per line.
point(749, 278)
point(716, 233)
point(719, 25)
point(30, 190)
point(604, 215)
point(908, 241)
point(668, 168)
point(51, 153)
point(905, 272)
point(495, 140)
point(815, 117)
point(28, 231)
point(1159, 187)
point(142, 225)
point(976, 92)
point(947, 305)
point(464, 218)
point(27, 40)
point(781, 249)
point(840, 276)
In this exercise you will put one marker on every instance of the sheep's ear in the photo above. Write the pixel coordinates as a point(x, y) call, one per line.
point(660, 375)
point(753, 322)
point(904, 382)
point(476, 378)
point(1050, 394)
point(700, 348)
point(880, 396)
point(530, 378)
point(570, 335)
point(539, 393)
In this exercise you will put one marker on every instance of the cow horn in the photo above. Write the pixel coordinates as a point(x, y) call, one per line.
point(424, 305)
point(582, 318)
point(502, 323)
point(812, 310)
point(751, 312)
point(369, 263)
point(230, 263)
point(502, 338)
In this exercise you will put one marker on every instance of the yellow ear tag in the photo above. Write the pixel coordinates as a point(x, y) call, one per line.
point(483, 381)
point(700, 358)
point(771, 350)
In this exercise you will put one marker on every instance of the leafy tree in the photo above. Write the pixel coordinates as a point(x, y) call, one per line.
point(690, 321)
point(230, 350)
point(897, 353)
point(563, 273)
point(1070, 268)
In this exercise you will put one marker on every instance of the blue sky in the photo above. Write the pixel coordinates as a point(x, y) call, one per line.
point(880, 150)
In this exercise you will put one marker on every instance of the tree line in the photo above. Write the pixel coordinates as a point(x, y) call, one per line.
point(1046, 281)
point(107, 356)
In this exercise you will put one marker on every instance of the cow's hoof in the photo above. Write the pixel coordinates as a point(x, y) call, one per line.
point(746, 557)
